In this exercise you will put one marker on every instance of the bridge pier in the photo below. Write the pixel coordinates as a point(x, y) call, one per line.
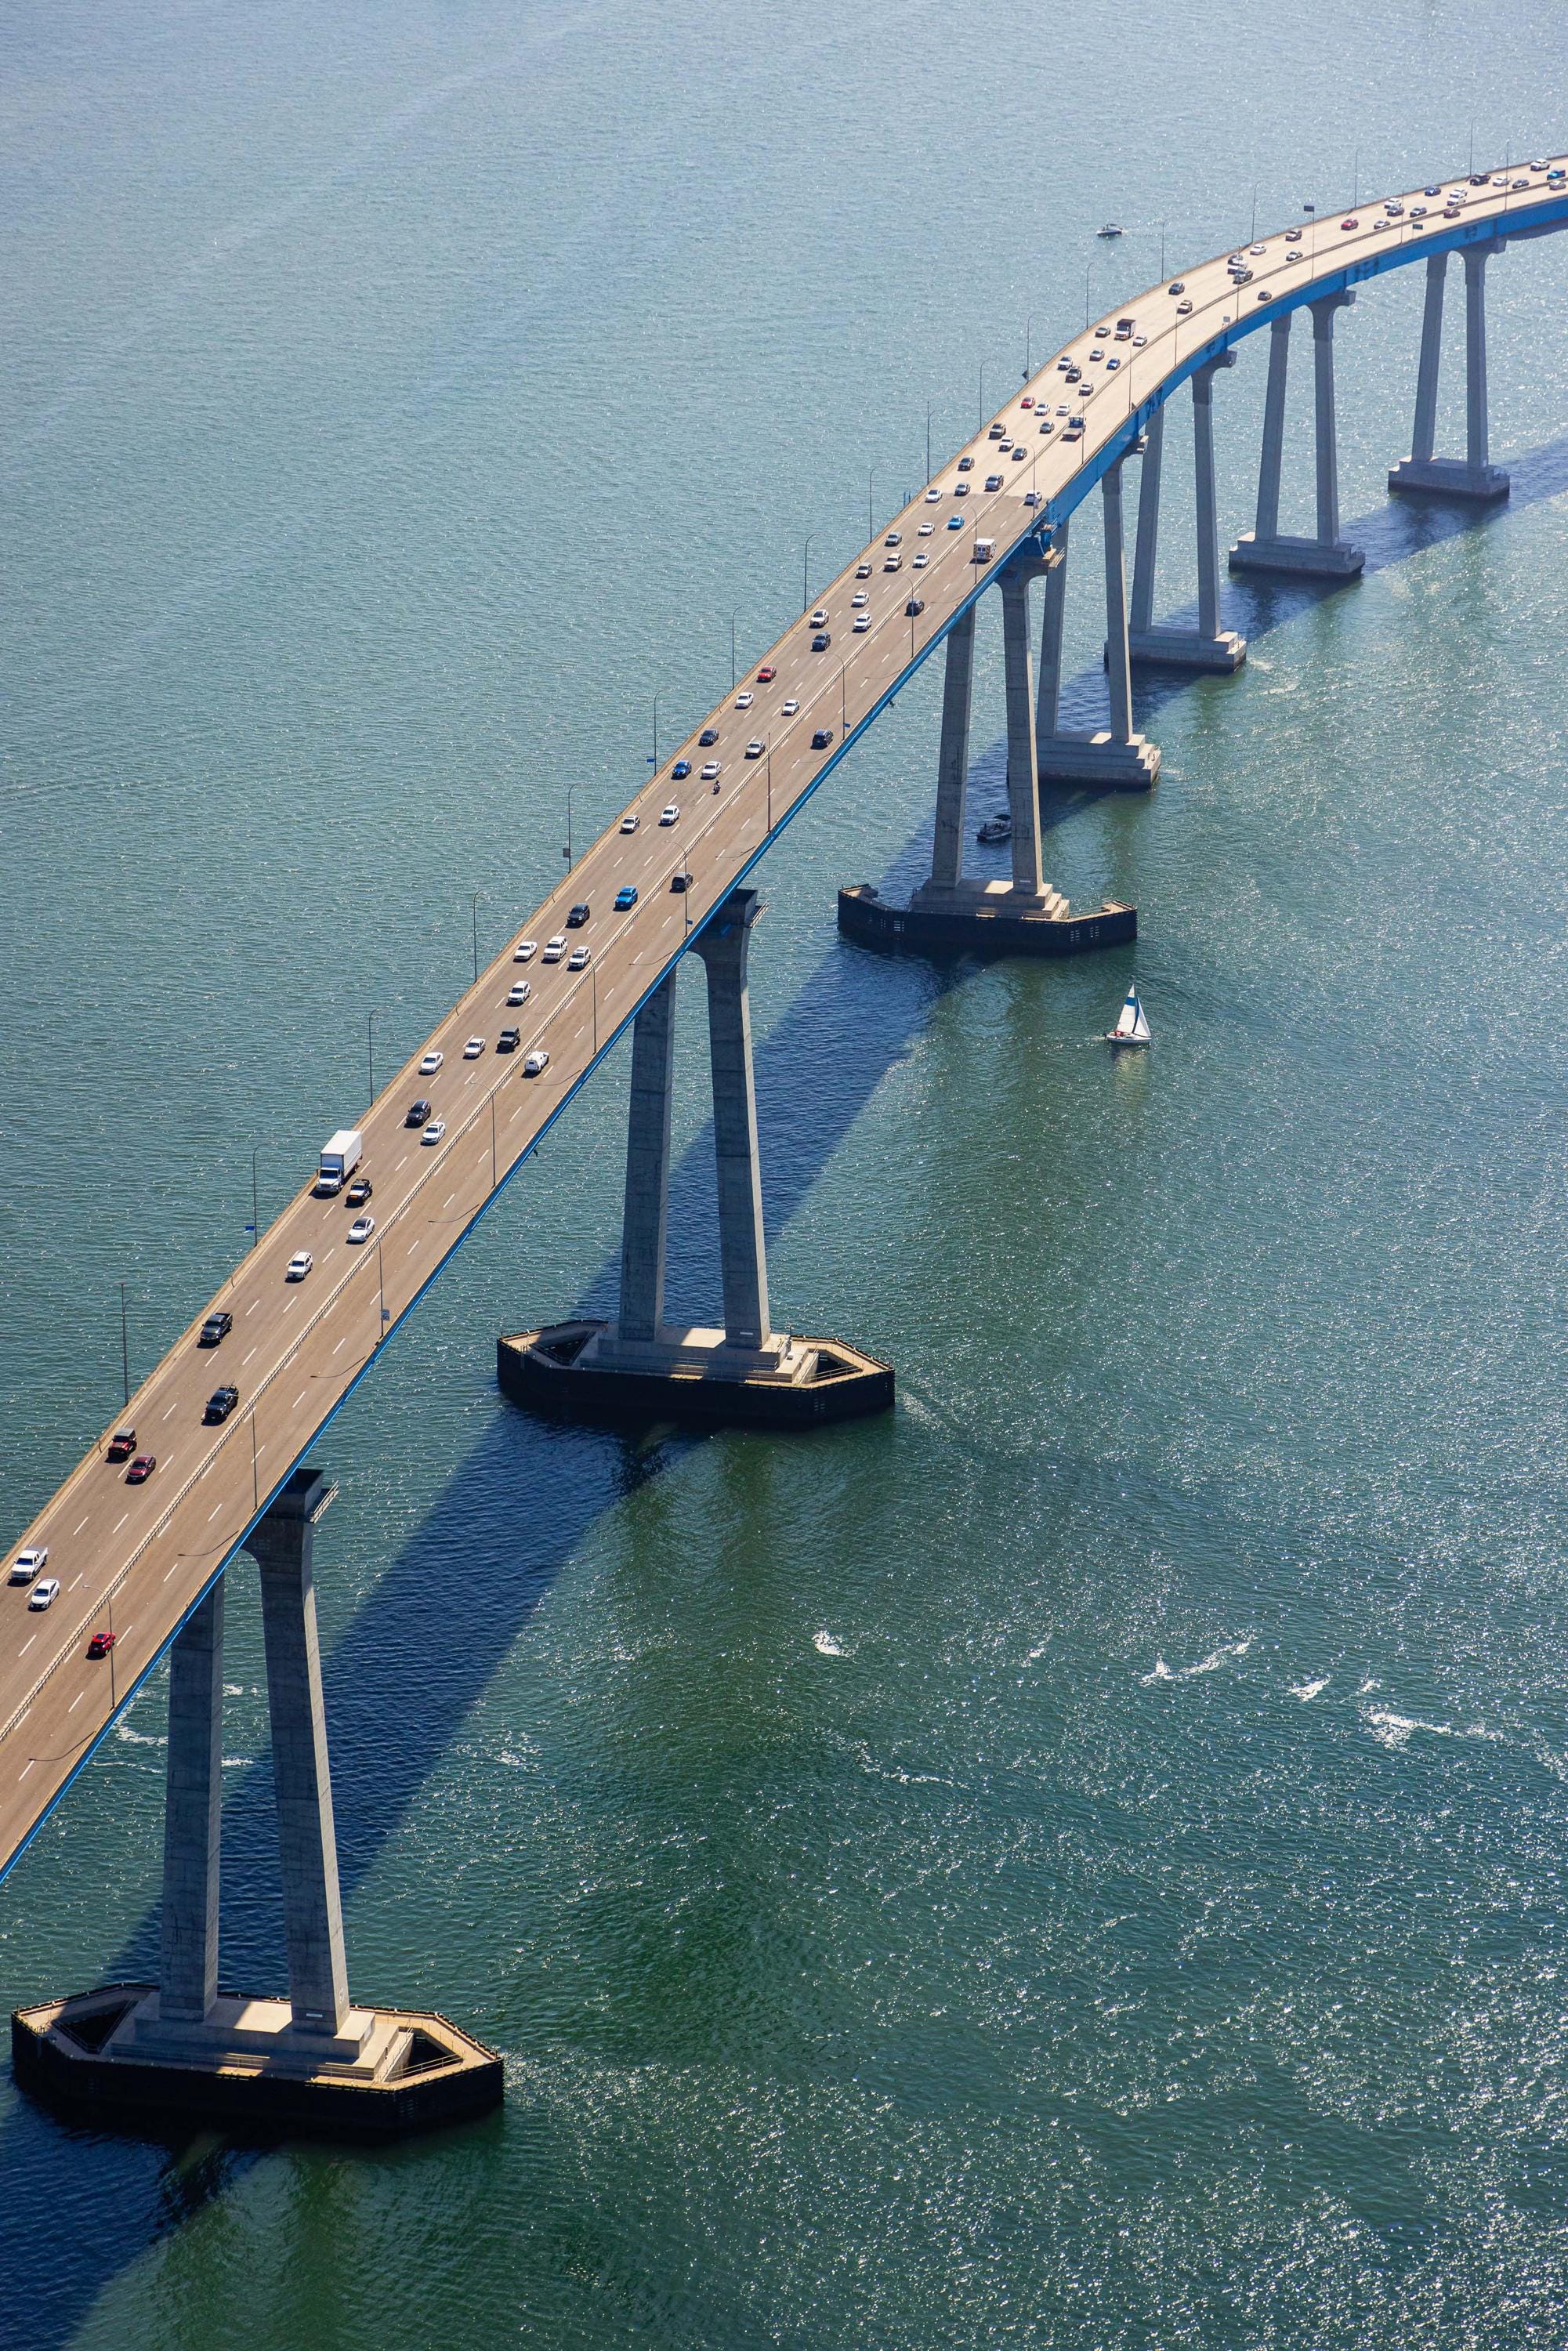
point(1209, 647)
point(638, 1368)
point(1114, 756)
point(1266, 548)
point(137, 2053)
point(1472, 477)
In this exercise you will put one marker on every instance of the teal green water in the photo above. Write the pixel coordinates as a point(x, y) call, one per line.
point(1078, 1863)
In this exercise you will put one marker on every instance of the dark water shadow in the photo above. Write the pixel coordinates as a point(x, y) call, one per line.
point(856, 1015)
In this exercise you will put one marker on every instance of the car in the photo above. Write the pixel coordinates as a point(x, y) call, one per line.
point(818, 618)
point(360, 1230)
point(1293, 236)
point(1299, 255)
point(669, 815)
point(1183, 309)
point(744, 701)
point(709, 735)
point(474, 1048)
point(787, 709)
point(767, 673)
point(996, 431)
point(518, 993)
point(434, 1132)
point(100, 1645)
point(508, 1041)
point(537, 1062)
point(579, 916)
point(862, 596)
point(863, 571)
point(44, 1595)
point(630, 823)
point(757, 746)
point(822, 739)
point(301, 1263)
point(892, 562)
point(1241, 277)
point(580, 958)
point(933, 495)
point(960, 490)
point(1396, 212)
point(1111, 367)
point(1031, 498)
point(430, 1061)
point(710, 769)
point(820, 641)
point(679, 882)
point(417, 1113)
point(1417, 212)
point(359, 1190)
point(893, 538)
point(1046, 425)
point(216, 1328)
point(681, 770)
point(625, 896)
point(862, 624)
point(1177, 286)
point(141, 1469)
point(122, 1445)
point(525, 950)
point(915, 605)
point(221, 1401)
point(1257, 248)
point(926, 529)
point(966, 464)
point(1262, 295)
point(26, 1563)
point(1351, 223)
point(955, 522)
point(1073, 373)
point(1431, 192)
point(1026, 403)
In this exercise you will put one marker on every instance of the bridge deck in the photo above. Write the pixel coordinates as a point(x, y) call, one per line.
point(148, 1553)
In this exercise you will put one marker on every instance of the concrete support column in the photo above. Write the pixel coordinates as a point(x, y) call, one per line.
point(312, 1913)
point(1327, 435)
point(1471, 476)
point(1118, 664)
point(1273, 428)
point(1048, 696)
point(1475, 259)
point(1324, 556)
point(1422, 440)
point(193, 1817)
point(1207, 505)
point(1023, 778)
point(953, 759)
point(742, 1251)
point(645, 1222)
point(1146, 548)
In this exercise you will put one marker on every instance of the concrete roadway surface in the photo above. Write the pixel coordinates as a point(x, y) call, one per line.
point(138, 1558)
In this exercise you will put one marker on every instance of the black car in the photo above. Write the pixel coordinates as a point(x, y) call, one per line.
point(709, 735)
point(822, 739)
point(216, 1327)
point(359, 1191)
point(418, 1111)
point(820, 641)
point(508, 1041)
point(578, 916)
point(681, 770)
point(679, 882)
point(220, 1403)
point(966, 464)
point(915, 604)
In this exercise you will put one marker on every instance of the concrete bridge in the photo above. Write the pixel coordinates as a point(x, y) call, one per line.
point(147, 1561)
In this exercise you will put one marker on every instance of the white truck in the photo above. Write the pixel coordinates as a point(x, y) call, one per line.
point(340, 1155)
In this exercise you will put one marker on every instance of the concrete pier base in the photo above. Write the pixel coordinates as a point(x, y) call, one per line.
point(109, 2057)
point(1449, 478)
point(1186, 649)
point(1129, 765)
point(1306, 558)
point(982, 919)
point(584, 1371)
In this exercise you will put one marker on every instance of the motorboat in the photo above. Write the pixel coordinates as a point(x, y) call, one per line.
point(1111, 228)
point(996, 828)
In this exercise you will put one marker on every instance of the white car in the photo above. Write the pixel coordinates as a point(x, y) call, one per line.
point(921, 560)
point(710, 769)
point(862, 623)
point(431, 1063)
point(788, 709)
point(926, 529)
point(863, 571)
point(474, 1048)
point(756, 748)
point(434, 1132)
point(669, 815)
point(518, 992)
point(360, 1229)
point(892, 563)
point(44, 1595)
point(932, 496)
point(300, 1265)
point(893, 538)
point(579, 959)
point(525, 950)
point(862, 596)
point(536, 1063)
point(630, 823)
point(820, 617)
point(554, 948)
point(744, 701)
point(26, 1563)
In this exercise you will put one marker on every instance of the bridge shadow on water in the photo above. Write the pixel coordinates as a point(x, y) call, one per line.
point(108, 2201)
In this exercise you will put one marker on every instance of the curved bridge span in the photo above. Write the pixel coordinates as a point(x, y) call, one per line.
point(150, 1558)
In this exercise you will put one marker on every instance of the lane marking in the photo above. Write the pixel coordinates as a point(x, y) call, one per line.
point(76, 1701)
point(300, 1399)
point(173, 1408)
point(29, 1641)
point(121, 1520)
point(77, 1530)
point(25, 1768)
point(212, 1513)
point(244, 1359)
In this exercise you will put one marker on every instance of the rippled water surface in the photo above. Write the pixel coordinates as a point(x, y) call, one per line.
point(1079, 1862)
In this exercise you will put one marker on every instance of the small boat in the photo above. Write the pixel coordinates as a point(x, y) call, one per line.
point(1132, 1025)
point(1111, 228)
point(996, 828)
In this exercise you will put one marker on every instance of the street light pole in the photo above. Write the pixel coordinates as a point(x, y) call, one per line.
point(929, 440)
point(254, 1203)
point(805, 579)
point(655, 734)
point(732, 653)
point(474, 910)
point(371, 1045)
point(566, 852)
point(1028, 346)
point(124, 1347)
point(870, 525)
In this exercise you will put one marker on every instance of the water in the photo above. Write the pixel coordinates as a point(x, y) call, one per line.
point(1076, 1862)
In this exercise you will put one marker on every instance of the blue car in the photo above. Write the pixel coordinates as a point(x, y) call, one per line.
point(955, 522)
point(625, 898)
point(682, 768)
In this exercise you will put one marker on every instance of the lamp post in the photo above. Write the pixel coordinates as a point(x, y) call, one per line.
point(805, 578)
point(371, 1044)
point(654, 761)
point(124, 1346)
point(870, 525)
point(732, 653)
point(1028, 346)
point(929, 440)
point(255, 1199)
point(566, 852)
point(982, 392)
point(474, 910)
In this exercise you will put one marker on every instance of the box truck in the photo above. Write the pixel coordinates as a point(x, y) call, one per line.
point(339, 1157)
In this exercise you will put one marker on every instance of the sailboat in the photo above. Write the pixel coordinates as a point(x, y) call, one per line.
point(1132, 1024)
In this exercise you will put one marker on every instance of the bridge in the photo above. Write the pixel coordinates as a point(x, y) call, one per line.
point(147, 1561)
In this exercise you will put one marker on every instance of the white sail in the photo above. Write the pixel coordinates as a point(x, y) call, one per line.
point(1130, 1015)
point(1140, 1029)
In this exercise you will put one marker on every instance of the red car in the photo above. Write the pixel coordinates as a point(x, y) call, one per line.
point(1351, 223)
point(1026, 403)
point(141, 1469)
point(100, 1645)
point(767, 673)
point(122, 1445)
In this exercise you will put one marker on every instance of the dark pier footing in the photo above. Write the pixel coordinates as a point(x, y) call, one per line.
point(582, 1372)
point(971, 925)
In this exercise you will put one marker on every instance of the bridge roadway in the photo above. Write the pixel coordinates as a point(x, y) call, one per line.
point(142, 1556)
